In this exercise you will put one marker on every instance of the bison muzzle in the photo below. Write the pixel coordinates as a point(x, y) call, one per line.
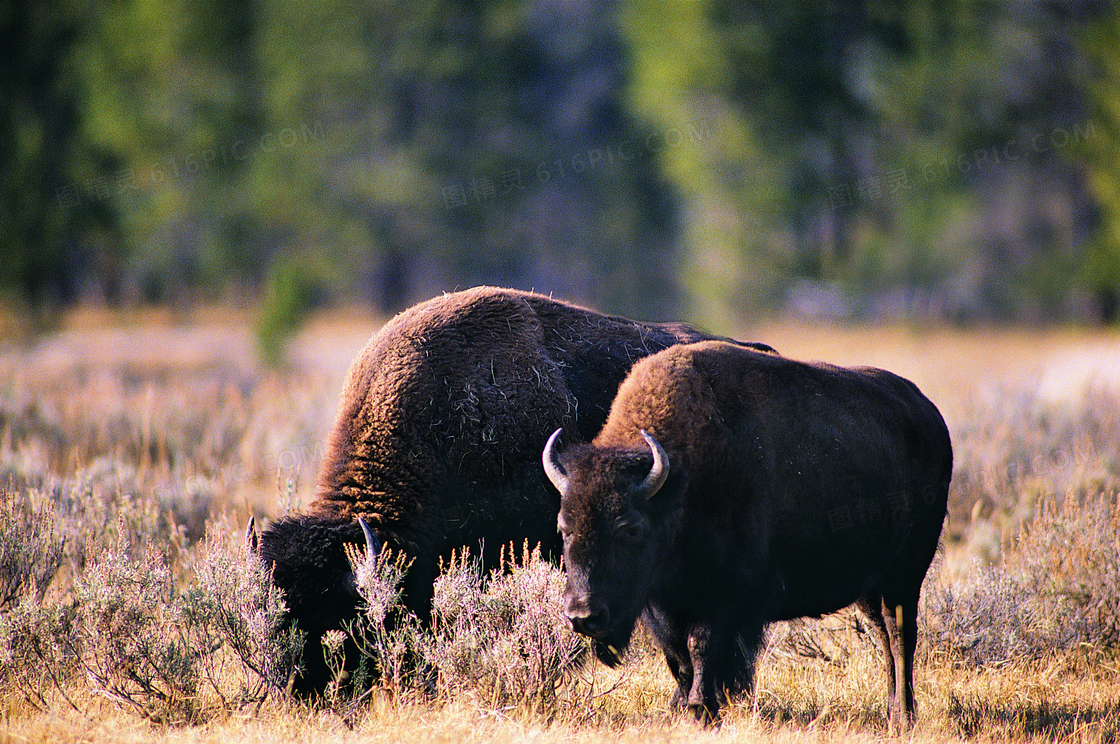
point(729, 489)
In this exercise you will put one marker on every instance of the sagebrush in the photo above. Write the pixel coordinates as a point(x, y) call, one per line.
point(126, 588)
point(499, 637)
point(133, 631)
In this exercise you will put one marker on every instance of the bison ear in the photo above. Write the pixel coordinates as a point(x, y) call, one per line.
point(552, 467)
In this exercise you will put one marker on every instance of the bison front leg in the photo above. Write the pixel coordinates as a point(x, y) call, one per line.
point(722, 656)
point(681, 668)
point(719, 668)
point(672, 636)
point(703, 696)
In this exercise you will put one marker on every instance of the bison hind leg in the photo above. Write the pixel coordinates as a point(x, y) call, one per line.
point(895, 624)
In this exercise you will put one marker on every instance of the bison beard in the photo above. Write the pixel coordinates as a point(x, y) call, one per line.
point(437, 443)
point(729, 489)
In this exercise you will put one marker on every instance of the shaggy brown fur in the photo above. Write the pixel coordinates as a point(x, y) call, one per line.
point(438, 437)
point(792, 490)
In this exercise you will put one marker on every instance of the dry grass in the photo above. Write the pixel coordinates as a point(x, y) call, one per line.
point(124, 441)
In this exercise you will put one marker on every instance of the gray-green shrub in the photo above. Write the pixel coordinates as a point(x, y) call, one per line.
point(31, 548)
point(498, 637)
point(135, 630)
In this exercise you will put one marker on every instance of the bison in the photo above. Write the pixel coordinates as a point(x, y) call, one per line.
point(437, 444)
point(730, 488)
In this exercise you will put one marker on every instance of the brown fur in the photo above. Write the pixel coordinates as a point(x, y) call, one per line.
point(437, 440)
point(793, 490)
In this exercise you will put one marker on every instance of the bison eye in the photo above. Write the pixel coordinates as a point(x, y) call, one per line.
point(629, 530)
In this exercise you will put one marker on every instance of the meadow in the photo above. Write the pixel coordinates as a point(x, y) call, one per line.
point(134, 448)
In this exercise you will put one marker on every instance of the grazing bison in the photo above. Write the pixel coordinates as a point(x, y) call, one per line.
point(437, 443)
point(731, 488)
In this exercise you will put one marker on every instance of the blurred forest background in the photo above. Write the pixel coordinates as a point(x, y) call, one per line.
point(936, 159)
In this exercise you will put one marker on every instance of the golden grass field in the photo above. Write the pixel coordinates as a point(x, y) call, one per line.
point(177, 411)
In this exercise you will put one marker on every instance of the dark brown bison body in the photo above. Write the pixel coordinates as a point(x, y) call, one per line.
point(438, 438)
point(729, 489)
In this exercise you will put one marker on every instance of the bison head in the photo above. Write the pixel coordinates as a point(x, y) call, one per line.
point(308, 562)
point(618, 509)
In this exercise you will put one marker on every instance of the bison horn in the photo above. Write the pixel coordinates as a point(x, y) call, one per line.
point(658, 472)
point(251, 539)
point(552, 467)
point(373, 545)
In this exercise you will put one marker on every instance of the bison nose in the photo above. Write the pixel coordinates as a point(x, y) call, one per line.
point(592, 622)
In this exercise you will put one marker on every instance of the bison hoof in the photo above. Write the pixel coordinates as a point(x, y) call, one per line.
point(705, 714)
point(899, 724)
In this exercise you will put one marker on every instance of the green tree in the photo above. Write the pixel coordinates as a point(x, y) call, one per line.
point(895, 153)
point(119, 112)
point(465, 142)
point(38, 128)
point(927, 156)
point(1100, 272)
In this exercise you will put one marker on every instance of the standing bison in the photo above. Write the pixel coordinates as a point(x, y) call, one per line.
point(730, 488)
point(438, 439)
